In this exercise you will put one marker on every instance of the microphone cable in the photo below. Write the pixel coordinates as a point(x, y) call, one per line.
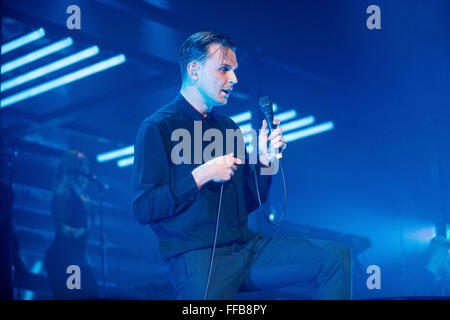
point(211, 260)
point(284, 198)
point(280, 159)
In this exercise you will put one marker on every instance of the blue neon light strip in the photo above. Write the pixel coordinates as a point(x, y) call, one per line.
point(245, 128)
point(49, 68)
point(309, 132)
point(303, 122)
point(125, 162)
point(115, 154)
point(19, 42)
point(71, 77)
point(287, 115)
point(241, 117)
point(35, 55)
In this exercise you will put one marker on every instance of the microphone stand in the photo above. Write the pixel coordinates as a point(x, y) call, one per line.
point(101, 187)
point(102, 238)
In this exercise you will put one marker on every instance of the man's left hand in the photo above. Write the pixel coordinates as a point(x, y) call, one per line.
point(269, 145)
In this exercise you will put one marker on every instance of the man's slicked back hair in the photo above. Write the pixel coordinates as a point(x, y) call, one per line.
point(195, 48)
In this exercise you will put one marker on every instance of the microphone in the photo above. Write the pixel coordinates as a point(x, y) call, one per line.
point(266, 106)
point(265, 103)
point(94, 178)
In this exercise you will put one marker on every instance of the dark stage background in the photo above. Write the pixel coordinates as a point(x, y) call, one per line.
point(378, 179)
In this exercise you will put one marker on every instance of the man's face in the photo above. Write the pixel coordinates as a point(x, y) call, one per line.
point(216, 75)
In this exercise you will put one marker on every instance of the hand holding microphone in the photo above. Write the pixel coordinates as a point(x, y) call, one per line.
point(275, 139)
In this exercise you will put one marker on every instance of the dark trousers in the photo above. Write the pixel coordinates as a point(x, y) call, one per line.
point(323, 267)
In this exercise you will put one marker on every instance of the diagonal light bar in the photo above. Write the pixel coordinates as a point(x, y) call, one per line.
point(125, 162)
point(327, 126)
point(49, 68)
point(115, 154)
point(245, 128)
point(35, 55)
point(71, 77)
point(303, 122)
point(23, 40)
point(242, 117)
point(287, 115)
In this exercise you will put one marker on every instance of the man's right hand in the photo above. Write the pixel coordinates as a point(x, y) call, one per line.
point(219, 169)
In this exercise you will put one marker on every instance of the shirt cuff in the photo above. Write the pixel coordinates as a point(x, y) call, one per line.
point(185, 189)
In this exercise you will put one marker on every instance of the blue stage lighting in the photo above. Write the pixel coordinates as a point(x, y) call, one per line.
point(71, 77)
point(303, 122)
point(125, 162)
point(49, 68)
point(242, 117)
point(309, 132)
point(287, 115)
point(35, 55)
point(19, 42)
point(115, 154)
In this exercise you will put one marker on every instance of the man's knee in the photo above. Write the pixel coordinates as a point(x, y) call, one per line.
point(340, 254)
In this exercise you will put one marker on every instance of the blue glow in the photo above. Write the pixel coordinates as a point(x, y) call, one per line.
point(447, 227)
point(245, 128)
point(51, 67)
point(37, 267)
point(287, 115)
point(28, 295)
point(423, 235)
point(19, 42)
point(274, 107)
point(271, 217)
point(71, 77)
point(242, 117)
point(303, 122)
point(125, 162)
point(35, 55)
point(248, 138)
point(115, 154)
point(309, 132)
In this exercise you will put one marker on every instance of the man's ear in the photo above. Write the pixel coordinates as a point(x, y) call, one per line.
point(193, 69)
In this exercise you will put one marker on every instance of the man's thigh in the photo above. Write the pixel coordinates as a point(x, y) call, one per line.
point(189, 273)
point(282, 261)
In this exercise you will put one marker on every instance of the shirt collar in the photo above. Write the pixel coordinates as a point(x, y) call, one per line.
point(185, 107)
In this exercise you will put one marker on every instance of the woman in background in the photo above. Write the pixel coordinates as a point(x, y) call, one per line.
point(72, 219)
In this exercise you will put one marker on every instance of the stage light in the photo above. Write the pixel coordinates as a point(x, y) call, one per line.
point(71, 77)
point(37, 267)
point(35, 55)
point(115, 154)
point(19, 42)
point(242, 117)
point(125, 162)
point(309, 132)
point(303, 122)
point(287, 115)
point(245, 128)
point(49, 68)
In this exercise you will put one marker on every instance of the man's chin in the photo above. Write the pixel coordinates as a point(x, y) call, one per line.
point(222, 101)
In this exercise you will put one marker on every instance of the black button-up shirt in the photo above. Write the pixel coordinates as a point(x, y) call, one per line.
point(165, 194)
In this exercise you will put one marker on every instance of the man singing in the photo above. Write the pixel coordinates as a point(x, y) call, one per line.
point(180, 199)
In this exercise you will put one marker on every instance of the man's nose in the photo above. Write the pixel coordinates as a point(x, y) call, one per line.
point(233, 79)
